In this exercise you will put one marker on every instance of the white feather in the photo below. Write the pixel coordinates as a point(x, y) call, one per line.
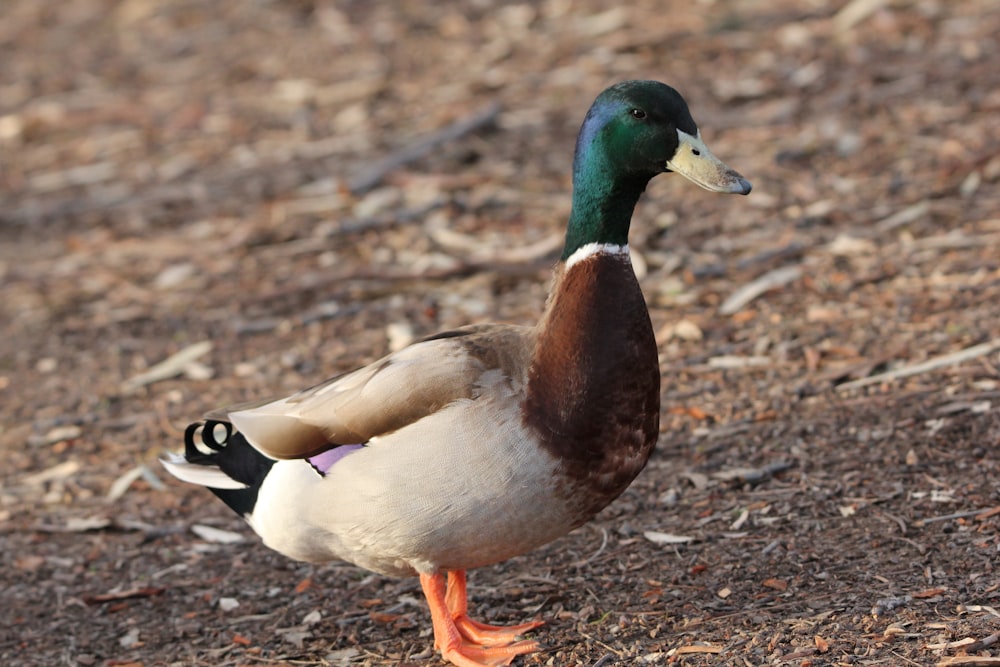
point(210, 476)
point(591, 249)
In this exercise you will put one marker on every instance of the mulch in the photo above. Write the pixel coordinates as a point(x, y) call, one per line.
point(205, 203)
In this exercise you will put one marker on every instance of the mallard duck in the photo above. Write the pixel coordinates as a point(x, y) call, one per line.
point(481, 443)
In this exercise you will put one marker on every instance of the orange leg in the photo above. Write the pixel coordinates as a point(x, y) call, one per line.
point(456, 598)
point(454, 646)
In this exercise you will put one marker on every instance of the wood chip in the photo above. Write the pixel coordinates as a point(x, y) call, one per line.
point(884, 605)
point(904, 217)
point(121, 485)
point(228, 604)
point(59, 471)
point(342, 657)
point(683, 330)
point(170, 367)
point(855, 12)
point(217, 535)
point(732, 361)
point(659, 538)
point(57, 434)
point(295, 636)
point(130, 639)
point(83, 525)
point(962, 609)
point(767, 282)
point(849, 246)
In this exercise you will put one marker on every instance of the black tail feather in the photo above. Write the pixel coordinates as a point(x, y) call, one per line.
point(234, 456)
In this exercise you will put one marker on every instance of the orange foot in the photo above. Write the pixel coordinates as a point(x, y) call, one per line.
point(464, 642)
point(456, 597)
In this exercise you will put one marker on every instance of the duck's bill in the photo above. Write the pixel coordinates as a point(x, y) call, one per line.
point(696, 163)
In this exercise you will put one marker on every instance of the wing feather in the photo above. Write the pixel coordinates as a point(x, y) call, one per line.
point(386, 395)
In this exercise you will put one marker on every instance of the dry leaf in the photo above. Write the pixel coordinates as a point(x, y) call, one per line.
point(775, 584)
point(698, 648)
point(144, 592)
point(929, 592)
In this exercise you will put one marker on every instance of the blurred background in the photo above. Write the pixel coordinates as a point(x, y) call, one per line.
point(208, 202)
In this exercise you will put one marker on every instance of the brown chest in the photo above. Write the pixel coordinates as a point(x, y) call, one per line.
point(594, 384)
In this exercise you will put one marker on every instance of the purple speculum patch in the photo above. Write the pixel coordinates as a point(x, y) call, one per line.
point(324, 461)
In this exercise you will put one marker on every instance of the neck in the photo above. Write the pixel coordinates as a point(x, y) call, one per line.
point(603, 198)
point(604, 195)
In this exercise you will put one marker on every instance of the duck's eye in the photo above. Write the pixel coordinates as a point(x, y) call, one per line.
point(638, 113)
point(695, 151)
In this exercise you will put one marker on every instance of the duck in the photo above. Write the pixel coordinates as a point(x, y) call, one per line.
point(484, 442)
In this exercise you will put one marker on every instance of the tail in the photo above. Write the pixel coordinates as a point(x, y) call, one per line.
point(230, 467)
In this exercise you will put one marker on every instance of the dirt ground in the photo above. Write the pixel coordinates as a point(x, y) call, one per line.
point(306, 185)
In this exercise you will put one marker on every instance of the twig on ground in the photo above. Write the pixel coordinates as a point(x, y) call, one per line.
point(968, 644)
point(600, 550)
point(767, 282)
point(605, 659)
point(145, 592)
point(789, 251)
point(967, 608)
point(949, 359)
point(373, 175)
point(958, 660)
point(986, 513)
point(904, 658)
point(752, 475)
point(905, 216)
point(943, 646)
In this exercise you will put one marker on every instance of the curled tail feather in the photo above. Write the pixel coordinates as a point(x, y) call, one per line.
point(230, 467)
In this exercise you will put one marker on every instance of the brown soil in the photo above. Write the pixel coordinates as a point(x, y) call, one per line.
point(173, 173)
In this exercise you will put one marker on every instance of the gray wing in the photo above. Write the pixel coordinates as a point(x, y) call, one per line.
point(388, 394)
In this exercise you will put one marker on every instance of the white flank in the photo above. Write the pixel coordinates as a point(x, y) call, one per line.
point(193, 473)
point(592, 249)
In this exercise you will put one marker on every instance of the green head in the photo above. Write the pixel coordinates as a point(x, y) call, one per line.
point(634, 131)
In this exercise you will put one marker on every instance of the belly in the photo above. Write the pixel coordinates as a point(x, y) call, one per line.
point(426, 498)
